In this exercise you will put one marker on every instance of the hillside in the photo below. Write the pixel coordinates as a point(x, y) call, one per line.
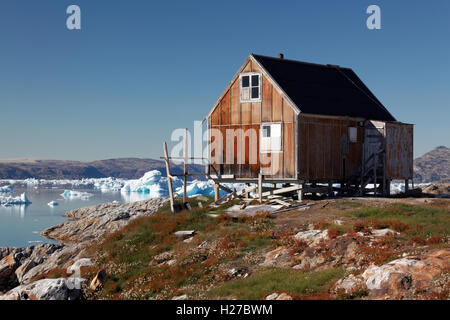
point(128, 168)
point(336, 249)
point(433, 166)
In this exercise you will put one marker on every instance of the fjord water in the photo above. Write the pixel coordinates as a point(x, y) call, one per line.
point(20, 225)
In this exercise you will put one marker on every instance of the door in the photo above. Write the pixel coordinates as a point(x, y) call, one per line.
point(373, 138)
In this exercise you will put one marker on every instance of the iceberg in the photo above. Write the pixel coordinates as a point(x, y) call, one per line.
point(206, 188)
point(151, 184)
point(108, 184)
point(73, 194)
point(10, 201)
point(154, 185)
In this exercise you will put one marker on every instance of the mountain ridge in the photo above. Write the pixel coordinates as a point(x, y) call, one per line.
point(433, 166)
point(126, 168)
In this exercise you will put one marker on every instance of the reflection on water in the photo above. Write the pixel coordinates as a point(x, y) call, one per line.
point(20, 225)
point(17, 210)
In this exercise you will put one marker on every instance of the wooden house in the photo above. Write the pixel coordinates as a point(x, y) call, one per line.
point(291, 122)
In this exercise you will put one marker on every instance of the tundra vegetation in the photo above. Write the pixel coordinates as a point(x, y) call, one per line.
point(253, 257)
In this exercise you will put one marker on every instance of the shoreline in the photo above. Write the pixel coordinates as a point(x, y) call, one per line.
point(20, 265)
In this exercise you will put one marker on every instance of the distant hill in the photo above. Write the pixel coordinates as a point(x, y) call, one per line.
point(433, 166)
point(129, 168)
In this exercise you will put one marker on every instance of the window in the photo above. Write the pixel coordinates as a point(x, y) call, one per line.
point(250, 87)
point(271, 138)
point(353, 134)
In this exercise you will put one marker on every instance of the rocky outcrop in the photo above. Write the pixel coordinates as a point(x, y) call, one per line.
point(312, 237)
point(87, 224)
point(20, 266)
point(47, 289)
point(404, 278)
point(7, 267)
point(437, 190)
point(98, 280)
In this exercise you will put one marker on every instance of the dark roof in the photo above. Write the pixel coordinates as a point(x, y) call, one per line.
point(324, 89)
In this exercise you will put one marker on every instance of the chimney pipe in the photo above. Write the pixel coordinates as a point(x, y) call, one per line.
point(280, 56)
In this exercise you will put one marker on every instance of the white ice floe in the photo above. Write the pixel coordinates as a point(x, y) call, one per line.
point(104, 184)
point(52, 203)
point(6, 189)
point(196, 188)
point(73, 194)
point(10, 200)
point(151, 185)
point(109, 184)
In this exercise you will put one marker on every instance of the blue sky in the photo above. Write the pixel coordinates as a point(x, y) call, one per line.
point(139, 69)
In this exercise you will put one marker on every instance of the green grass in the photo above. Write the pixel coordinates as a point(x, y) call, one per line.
point(347, 204)
point(278, 280)
point(133, 247)
point(422, 220)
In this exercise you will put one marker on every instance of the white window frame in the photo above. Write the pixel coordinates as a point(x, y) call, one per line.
point(272, 125)
point(250, 99)
point(353, 134)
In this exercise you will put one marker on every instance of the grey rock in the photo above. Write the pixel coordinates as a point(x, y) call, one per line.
point(47, 289)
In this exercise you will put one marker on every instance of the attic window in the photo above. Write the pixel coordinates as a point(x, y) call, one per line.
point(250, 87)
point(271, 137)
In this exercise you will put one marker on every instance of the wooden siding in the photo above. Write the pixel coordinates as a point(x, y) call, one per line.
point(324, 151)
point(230, 113)
point(399, 150)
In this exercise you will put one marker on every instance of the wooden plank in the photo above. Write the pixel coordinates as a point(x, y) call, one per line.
point(256, 112)
point(266, 100)
point(260, 187)
point(215, 116)
point(235, 103)
point(223, 176)
point(277, 105)
point(225, 110)
point(288, 150)
point(246, 113)
point(282, 190)
point(234, 194)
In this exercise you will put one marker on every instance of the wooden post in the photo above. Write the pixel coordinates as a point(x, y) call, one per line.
point(169, 177)
point(185, 165)
point(406, 186)
point(330, 189)
point(300, 194)
point(216, 191)
point(384, 174)
point(260, 178)
point(375, 176)
point(247, 194)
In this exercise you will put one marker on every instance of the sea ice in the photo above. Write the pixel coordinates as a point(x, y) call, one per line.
point(53, 203)
point(196, 188)
point(9, 200)
point(6, 189)
point(73, 194)
point(151, 184)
